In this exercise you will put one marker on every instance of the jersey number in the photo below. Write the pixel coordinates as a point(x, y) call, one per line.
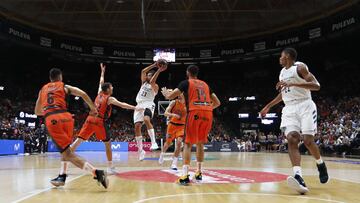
point(201, 94)
point(143, 94)
point(50, 98)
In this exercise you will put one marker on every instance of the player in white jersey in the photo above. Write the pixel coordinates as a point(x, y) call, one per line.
point(145, 100)
point(299, 116)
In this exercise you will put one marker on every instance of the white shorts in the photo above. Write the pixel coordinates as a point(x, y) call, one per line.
point(300, 117)
point(139, 115)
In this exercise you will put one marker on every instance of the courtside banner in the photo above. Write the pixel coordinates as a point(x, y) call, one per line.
point(93, 146)
point(11, 147)
point(133, 146)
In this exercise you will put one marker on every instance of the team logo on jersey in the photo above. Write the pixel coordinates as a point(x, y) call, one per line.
point(210, 176)
point(54, 122)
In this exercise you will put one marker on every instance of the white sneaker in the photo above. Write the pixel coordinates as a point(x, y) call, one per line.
point(154, 146)
point(174, 167)
point(142, 155)
point(161, 158)
point(298, 184)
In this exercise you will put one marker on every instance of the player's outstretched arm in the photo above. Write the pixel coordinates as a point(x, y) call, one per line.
point(102, 76)
point(215, 101)
point(80, 93)
point(145, 70)
point(114, 101)
point(38, 110)
point(268, 106)
point(168, 94)
point(168, 110)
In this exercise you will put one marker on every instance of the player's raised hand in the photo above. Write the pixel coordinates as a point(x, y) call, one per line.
point(103, 67)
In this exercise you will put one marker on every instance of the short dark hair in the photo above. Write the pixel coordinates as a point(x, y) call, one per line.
point(105, 86)
point(55, 73)
point(193, 70)
point(292, 53)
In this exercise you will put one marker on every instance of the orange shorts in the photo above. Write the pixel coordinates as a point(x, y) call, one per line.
point(60, 127)
point(174, 131)
point(97, 126)
point(198, 126)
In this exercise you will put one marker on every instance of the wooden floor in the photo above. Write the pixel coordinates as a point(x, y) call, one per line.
point(26, 179)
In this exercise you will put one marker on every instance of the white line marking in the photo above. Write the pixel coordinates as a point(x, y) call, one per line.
point(36, 192)
point(235, 193)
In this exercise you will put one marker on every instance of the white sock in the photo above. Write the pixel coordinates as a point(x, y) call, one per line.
point(151, 133)
point(319, 161)
point(174, 161)
point(110, 164)
point(199, 164)
point(297, 170)
point(63, 168)
point(89, 168)
point(185, 170)
point(139, 143)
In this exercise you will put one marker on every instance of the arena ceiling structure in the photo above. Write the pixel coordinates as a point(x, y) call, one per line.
point(167, 21)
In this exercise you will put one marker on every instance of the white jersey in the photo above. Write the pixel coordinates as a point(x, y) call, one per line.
point(145, 94)
point(291, 94)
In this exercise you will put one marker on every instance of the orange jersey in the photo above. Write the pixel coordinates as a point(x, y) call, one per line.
point(179, 109)
point(53, 97)
point(198, 96)
point(102, 106)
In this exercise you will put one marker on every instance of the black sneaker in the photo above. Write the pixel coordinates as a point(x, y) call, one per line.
point(298, 184)
point(59, 181)
point(323, 175)
point(101, 177)
point(184, 180)
point(198, 176)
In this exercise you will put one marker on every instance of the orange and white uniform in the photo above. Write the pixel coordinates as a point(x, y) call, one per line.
point(176, 126)
point(199, 118)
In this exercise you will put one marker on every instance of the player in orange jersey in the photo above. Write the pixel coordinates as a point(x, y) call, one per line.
point(99, 125)
point(60, 125)
point(176, 111)
point(200, 102)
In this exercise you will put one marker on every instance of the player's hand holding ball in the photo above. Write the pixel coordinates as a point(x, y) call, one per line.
point(161, 64)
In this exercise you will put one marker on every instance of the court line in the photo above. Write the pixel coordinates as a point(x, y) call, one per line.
point(44, 190)
point(234, 193)
point(346, 180)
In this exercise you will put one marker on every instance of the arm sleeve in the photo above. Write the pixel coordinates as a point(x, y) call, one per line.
point(183, 86)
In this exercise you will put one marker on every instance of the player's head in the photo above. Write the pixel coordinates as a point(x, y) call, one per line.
point(149, 75)
point(55, 74)
point(192, 71)
point(288, 56)
point(107, 88)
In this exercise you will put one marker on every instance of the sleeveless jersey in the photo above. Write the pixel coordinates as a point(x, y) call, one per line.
point(293, 93)
point(53, 97)
point(102, 106)
point(145, 94)
point(179, 109)
point(198, 96)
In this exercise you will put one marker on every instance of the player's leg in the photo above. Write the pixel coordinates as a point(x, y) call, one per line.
point(309, 128)
point(138, 121)
point(296, 182)
point(176, 153)
point(164, 149)
point(84, 134)
point(150, 128)
point(184, 179)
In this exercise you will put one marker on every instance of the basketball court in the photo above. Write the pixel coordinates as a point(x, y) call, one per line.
point(228, 177)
